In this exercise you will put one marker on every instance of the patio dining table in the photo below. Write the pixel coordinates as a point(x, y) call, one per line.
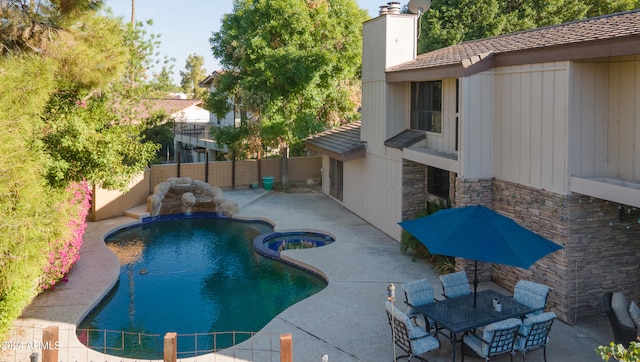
point(457, 315)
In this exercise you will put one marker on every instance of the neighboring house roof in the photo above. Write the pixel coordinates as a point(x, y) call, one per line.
point(405, 139)
point(342, 143)
point(169, 106)
point(609, 35)
point(206, 82)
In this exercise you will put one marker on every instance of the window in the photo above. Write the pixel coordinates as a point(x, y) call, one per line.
point(438, 182)
point(335, 178)
point(426, 106)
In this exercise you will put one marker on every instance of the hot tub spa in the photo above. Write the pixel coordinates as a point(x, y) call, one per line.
point(271, 244)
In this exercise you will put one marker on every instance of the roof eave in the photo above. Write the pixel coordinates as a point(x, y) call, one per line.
point(352, 154)
point(461, 69)
point(567, 52)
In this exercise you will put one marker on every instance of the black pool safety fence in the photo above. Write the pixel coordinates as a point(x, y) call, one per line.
point(56, 344)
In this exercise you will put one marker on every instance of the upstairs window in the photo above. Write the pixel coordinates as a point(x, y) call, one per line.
point(426, 106)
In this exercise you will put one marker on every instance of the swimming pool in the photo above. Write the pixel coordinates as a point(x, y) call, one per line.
point(195, 274)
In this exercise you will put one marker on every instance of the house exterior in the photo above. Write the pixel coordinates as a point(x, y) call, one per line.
point(541, 126)
point(191, 126)
point(232, 118)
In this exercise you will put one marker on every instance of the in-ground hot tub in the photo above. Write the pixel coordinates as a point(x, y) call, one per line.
point(271, 244)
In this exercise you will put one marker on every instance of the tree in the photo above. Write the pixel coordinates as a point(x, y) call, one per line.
point(193, 73)
point(163, 82)
point(65, 73)
point(293, 64)
point(450, 22)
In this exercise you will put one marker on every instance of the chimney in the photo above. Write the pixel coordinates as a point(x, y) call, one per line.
point(394, 7)
point(384, 9)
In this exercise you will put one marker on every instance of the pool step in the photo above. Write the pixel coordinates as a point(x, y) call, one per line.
point(138, 212)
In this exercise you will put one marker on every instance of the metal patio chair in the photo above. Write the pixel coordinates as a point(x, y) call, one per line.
point(534, 334)
point(413, 340)
point(497, 338)
point(455, 284)
point(419, 292)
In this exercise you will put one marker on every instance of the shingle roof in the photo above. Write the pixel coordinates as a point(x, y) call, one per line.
point(405, 138)
point(342, 143)
point(612, 26)
point(169, 105)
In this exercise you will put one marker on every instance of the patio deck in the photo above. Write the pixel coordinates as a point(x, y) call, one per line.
point(346, 321)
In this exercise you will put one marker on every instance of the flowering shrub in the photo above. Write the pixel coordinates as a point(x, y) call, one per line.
point(65, 252)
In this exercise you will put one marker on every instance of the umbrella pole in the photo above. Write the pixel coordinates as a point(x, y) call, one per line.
point(475, 283)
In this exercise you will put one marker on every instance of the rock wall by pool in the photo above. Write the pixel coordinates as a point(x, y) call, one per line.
point(184, 195)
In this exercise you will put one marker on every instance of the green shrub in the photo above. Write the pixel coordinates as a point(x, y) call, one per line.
point(443, 264)
point(619, 352)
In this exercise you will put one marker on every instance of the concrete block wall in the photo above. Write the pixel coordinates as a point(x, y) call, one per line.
point(220, 173)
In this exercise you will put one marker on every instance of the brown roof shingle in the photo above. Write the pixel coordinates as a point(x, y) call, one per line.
point(612, 26)
point(342, 143)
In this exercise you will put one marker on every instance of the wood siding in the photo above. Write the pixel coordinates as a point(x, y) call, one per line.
point(476, 126)
point(530, 129)
point(605, 119)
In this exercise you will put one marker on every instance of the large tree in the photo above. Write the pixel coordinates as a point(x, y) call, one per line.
point(450, 22)
point(293, 65)
point(60, 62)
point(193, 73)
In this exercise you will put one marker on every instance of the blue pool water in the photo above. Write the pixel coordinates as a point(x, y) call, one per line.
point(194, 275)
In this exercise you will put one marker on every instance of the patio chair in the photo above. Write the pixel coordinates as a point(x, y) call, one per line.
point(616, 308)
point(531, 294)
point(534, 334)
point(419, 292)
point(497, 338)
point(455, 284)
point(413, 340)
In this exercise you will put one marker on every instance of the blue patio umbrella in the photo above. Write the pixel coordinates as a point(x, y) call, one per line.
point(480, 234)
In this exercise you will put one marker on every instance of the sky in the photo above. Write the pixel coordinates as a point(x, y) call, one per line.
point(185, 26)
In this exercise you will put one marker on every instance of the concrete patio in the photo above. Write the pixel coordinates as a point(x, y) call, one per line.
point(346, 321)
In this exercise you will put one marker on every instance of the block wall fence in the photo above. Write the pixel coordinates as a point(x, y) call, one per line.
point(107, 204)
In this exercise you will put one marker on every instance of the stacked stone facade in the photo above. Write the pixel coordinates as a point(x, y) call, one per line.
point(414, 189)
point(470, 192)
point(601, 242)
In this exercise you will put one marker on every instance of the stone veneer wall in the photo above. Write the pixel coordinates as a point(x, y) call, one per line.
point(414, 189)
point(469, 192)
point(603, 254)
point(545, 213)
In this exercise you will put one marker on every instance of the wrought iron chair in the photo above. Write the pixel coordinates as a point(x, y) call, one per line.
point(534, 334)
point(419, 292)
point(413, 340)
point(624, 331)
point(531, 294)
point(455, 284)
point(496, 339)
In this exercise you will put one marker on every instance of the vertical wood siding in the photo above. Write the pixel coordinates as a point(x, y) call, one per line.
point(476, 147)
point(605, 119)
point(530, 129)
point(624, 120)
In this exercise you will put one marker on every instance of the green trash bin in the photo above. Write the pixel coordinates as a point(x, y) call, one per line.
point(267, 182)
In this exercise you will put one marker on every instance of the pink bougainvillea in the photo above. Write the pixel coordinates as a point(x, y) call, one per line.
point(64, 253)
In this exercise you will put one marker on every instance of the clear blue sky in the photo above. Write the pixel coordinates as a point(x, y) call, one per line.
point(186, 26)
